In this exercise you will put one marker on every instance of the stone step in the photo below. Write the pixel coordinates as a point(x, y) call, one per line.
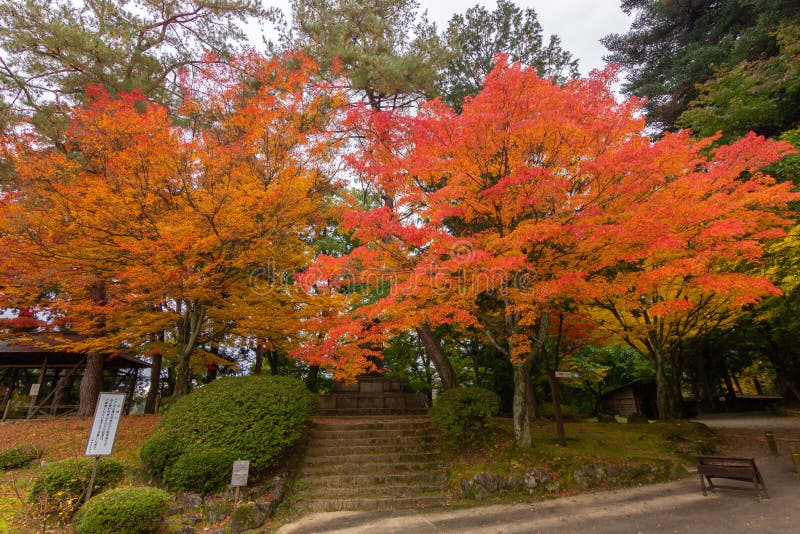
point(373, 458)
point(374, 441)
point(386, 503)
point(352, 468)
point(374, 479)
point(346, 449)
point(359, 423)
point(371, 411)
point(372, 492)
point(330, 433)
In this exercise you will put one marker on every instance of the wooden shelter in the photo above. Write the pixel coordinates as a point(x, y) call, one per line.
point(636, 398)
point(42, 366)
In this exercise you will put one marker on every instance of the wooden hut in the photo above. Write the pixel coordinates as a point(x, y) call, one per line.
point(636, 398)
point(40, 366)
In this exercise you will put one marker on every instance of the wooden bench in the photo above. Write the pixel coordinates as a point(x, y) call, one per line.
point(732, 468)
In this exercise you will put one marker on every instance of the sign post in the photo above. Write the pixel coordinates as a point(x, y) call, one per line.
point(241, 469)
point(104, 430)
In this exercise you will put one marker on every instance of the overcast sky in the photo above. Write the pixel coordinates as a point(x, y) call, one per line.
point(579, 23)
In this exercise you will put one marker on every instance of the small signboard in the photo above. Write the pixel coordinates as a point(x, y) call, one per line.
point(35, 390)
point(104, 426)
point(566, 374)
point(239, 476)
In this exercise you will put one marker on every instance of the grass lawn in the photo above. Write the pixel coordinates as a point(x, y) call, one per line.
point(597, 455)
point(60, 439)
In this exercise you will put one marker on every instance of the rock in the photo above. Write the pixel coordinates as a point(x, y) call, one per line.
point(247, 516)
point(605, 418)
point(530, 479)
point(515, 483)
point(615, 471)
point(178, 524)
point(189, 500)
point(553, 487)
point(487, 481)
point(542, 476)
point(480, 492)
point(589, 476)
point(466, 487)
point(216, 510)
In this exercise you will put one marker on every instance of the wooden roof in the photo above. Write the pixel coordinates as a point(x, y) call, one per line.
point(30, 352)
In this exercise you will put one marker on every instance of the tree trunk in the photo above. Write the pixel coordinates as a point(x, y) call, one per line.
point(311, 379)
point(664, 397)
point(91, 384)
point(182, 377)
point(155, 384)
point(92, 380)
point(522, 427)
point(555, 389)
point(274, 360)
point(258, 366)
point(435, 353)
point(530, 400)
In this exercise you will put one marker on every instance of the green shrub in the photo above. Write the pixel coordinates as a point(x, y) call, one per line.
point(203, 471)
point(139, 510)
point(160, 451)
point(255, 418)
point(463, 415)
point(19, 456)
point(63, 484)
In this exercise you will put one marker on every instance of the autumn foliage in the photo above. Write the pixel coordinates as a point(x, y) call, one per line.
point(174, 214)
point(538, 198)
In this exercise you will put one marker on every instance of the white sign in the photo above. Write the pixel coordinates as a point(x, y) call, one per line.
point(104, 426)
point(566, 374)
point(35, 390)
point(240, 471)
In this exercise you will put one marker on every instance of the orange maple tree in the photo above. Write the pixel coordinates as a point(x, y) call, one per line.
point(538, 195)
point(174, 216)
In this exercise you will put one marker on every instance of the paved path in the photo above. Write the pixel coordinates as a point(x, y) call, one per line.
point(672, 507)
point(744, 432)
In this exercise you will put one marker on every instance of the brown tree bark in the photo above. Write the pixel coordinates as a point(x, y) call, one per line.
point(155, 384)
point(92, 380)
point(531, 401)
point(91, 384)
point(440, 360)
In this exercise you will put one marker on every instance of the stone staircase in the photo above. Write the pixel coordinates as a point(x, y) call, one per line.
point(370, 463)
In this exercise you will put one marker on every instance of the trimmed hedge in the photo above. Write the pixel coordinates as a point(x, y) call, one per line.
point(203, 471)
point(255, 418)
point(463, 415)
point(19, 456)
point(63, 484)
point(136, 510)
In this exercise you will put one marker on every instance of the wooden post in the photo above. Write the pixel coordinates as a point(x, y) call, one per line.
point(132, 380)
point(91, 479)
point(10, 393)
point(32, 404)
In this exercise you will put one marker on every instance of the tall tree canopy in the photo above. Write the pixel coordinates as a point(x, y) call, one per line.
point(675, 45)
point(52, 50)
point(477, 36)
point(388, 50)
point(553, 191)
point(174, 219)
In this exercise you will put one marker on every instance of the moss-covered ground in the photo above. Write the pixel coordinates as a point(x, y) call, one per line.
point(597, 455)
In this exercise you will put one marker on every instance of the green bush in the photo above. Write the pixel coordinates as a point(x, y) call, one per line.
point(160, 452)
point(255, 418)
point(463, 415)
point(139, 510)
point(203, 471)
point(19, 456)
point(63, 484)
